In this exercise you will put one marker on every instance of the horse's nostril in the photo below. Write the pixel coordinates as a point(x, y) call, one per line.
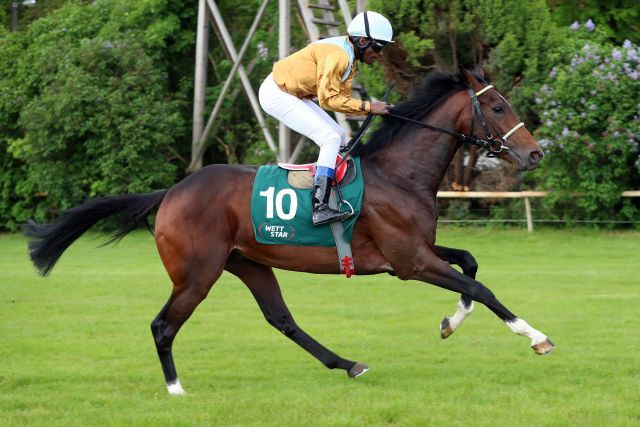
point(536, 156)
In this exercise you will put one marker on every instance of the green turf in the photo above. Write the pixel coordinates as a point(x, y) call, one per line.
point(75, 349)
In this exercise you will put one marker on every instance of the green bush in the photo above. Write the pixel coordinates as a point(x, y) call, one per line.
point(590, 132)
point(88, 107)
point(12, 171)
point(103, 125)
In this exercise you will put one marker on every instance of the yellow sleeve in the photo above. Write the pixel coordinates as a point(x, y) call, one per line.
point(347, 89)
point(332, 93)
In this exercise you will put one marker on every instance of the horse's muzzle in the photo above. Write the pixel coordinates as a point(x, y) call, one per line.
point(534, 159)
point(524, 161)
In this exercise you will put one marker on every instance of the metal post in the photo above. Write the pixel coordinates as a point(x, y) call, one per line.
point(284, 48)
point(201, 145)
point(202, 42)
point(296, 151)
point(361, 6)
point(346, 13)
point(14, 16)
point(527, 208)
point(253, 100)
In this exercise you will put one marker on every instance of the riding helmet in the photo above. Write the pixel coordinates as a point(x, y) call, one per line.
point(379, 27)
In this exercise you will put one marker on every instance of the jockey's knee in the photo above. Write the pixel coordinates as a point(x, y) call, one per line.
point(329, 148)
point(330, 138)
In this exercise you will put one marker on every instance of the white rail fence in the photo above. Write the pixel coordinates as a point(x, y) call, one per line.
point(524, 195)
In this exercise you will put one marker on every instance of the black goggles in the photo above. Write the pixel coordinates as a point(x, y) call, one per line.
point(378, 46)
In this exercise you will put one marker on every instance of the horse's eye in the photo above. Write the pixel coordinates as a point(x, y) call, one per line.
point(498, 109)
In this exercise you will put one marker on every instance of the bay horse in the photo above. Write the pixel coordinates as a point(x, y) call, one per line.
point(203, 223)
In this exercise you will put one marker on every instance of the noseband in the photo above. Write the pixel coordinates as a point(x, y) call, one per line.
point(493, 144)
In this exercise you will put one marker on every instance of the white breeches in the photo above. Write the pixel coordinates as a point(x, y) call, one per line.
point(305, 117)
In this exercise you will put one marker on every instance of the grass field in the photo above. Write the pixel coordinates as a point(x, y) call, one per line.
point(76, 349)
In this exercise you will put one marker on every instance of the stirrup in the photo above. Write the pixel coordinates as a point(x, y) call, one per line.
point(330, 215)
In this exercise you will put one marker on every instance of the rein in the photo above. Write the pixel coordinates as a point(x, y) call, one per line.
point(345, 151)
point(494, 144)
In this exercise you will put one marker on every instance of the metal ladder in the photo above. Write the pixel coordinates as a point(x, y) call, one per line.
point(321, 23)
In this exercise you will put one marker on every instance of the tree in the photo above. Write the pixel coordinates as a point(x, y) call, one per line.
point(12, 171)
point(90, 108)
point(591, 132)
point(618, 18)
point(517, 43)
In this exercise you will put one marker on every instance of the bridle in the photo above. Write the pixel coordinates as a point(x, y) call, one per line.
point(494, 144)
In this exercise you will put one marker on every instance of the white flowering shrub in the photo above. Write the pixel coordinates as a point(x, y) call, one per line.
point(590, 131)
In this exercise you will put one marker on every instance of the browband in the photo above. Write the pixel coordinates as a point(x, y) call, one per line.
point(483, 90)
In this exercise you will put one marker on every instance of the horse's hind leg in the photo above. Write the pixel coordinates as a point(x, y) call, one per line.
point(192, 279)
point(469, 267)
point(263, 285)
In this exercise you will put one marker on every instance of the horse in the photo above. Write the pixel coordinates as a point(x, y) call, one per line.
point(203, 224)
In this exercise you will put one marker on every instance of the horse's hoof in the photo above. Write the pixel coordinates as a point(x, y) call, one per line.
point(175, 388)
point(545, 347)
point(357, 370)
point(445, 329)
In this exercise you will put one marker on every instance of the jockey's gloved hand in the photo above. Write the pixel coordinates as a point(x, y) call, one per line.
point(380, 107)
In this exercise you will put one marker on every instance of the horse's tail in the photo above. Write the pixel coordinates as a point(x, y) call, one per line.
point(49, 241)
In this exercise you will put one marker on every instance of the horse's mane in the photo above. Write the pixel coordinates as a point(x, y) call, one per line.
point(435, 88)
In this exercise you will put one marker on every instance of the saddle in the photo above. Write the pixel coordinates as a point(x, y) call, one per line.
point(281, 208)
point(301, 176)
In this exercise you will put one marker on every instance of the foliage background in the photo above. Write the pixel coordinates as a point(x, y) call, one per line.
point(96, 96)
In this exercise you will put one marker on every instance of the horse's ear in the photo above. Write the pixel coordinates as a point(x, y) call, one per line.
point(478, 71)
point(466, 77)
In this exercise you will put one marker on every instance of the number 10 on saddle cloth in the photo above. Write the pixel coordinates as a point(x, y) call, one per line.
point(281, 214)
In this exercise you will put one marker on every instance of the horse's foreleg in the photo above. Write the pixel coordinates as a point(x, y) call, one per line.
point(469, 267)
point(441, 274)
point(263, 285)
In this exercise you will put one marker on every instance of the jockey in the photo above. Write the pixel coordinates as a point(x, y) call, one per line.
point(325, 69)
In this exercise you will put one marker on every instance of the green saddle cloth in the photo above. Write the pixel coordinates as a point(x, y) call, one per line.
point(281, 214)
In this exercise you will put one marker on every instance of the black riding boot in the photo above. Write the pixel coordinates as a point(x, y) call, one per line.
point(322, 213)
